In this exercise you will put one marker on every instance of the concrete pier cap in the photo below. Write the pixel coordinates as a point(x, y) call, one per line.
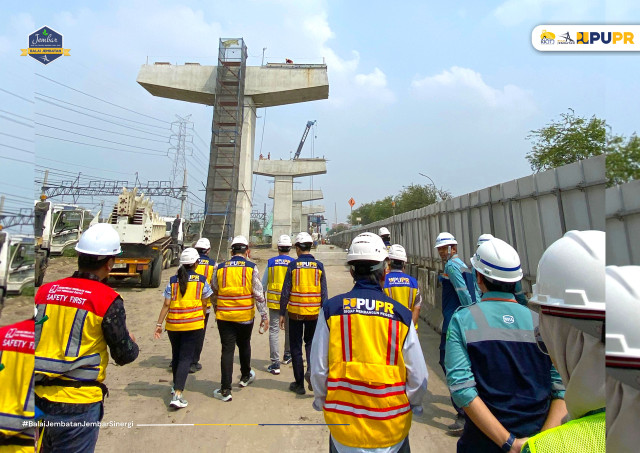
point(300, 196)
point(294, 168)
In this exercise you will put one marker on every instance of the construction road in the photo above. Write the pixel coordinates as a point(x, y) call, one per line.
point(139, 392)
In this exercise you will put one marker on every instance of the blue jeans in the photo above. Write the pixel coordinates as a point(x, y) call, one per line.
point(72, 439)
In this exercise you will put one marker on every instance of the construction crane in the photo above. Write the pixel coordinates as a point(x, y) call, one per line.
point(304, 137)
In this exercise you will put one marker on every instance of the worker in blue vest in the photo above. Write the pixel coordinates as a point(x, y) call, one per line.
point(272, 283)
point(520, 296)
point(385, 234)
point(570, 292)
point(400, 286)
point(496, 369)
point(367, 368)
point(623, 358)
point(457, 291)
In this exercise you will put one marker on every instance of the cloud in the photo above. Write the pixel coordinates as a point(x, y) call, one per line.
point(467, 86)
point(515, 12)
point(375, 83)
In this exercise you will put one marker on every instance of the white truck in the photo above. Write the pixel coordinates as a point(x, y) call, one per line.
point(57, 228)
point(147, 246)
point(17, 263)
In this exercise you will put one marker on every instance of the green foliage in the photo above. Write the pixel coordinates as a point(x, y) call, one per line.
point(69, 252)
point(338, 228)
point(412, 197)
point(574, 138)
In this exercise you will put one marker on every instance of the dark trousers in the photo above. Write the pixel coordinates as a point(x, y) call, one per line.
point(198, 351)
point(458, 410)
point(183, 344)
point(232, 334)
point(72, 439)
point(404, 448)
point(299, 330)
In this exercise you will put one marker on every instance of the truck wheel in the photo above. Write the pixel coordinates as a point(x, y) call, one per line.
point(156, 273)
point(145, 277)
point(169, 258)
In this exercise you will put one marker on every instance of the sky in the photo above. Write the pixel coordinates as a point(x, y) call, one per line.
point(448, 89)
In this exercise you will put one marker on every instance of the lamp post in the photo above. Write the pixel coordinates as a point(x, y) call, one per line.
point(432, 183)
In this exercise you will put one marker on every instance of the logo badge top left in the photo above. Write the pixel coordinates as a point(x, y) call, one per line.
point(45, 45)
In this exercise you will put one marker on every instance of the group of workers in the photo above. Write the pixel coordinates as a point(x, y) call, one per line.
point(524, 375)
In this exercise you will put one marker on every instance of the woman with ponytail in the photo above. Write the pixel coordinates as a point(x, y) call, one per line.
point(185, 301)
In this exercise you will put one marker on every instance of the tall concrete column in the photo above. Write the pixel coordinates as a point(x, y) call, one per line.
point(283, 197)
point(296, 215)
point(299, 217)
point(245, 179)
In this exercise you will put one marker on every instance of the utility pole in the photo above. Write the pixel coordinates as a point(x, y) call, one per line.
point(335, 207)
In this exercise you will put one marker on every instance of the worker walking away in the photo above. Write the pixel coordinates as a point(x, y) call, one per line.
point(367, 368)
point(570, 292)
point(205, 267)
point(495, 369)
point(520, 296)
point(385, 234)
point(237, 291)
point(623, 358)
point(272, 281)
point(77, 318)
point(303, 292)
point(17, 409)
point(457, 291)
point(400, 286)
point(185, 303)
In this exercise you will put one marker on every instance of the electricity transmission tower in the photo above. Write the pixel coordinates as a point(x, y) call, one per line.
point(180, 141)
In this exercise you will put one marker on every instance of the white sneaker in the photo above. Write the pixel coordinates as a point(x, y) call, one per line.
point(223, 395)
point(178, 402)
point(248, 380)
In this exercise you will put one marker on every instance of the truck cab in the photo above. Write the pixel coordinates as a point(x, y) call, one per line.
point(17, 263)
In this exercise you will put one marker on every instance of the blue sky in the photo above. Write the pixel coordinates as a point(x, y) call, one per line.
point(449, 90)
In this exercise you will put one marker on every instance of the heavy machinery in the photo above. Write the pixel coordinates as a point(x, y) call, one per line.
point(146, 246)
point(304, 138)
point(17, 263)
point(57, 227)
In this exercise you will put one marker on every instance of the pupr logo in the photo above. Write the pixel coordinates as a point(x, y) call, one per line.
point(508, 319)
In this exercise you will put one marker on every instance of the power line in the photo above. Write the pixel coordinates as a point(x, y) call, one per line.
point(16, 121)
point(18, 149)
point(16, 137)
point(78, 165)
point(15, 114)
point(17, 95)
point(17, 160)
point(92, 110)
point(102, 100)
point(111, 132)
point(100, 146)
point(96, 138)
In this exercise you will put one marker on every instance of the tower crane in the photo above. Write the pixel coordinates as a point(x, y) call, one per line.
point(304, 137)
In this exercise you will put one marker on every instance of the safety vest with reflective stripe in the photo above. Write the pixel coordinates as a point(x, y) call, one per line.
point(585, 434)
point(306, 290)
point(205, 267)
point(235, 290)
point(367, 375)
point(16, 380)
point(276, 270)
point(70, 344)
point(185, 312)
point(401, 287)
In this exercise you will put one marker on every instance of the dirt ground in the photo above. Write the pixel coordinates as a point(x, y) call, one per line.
point(139, 392)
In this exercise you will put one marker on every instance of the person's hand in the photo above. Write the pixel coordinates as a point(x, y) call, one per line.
point(517, 445)
point(281, 322)
point(133, 338)
point(158, 332)
point(264, 326)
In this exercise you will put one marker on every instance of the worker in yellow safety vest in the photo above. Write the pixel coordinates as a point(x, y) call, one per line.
point(367, 367)
point(623, 358)
point(205, 268)
point(185, 302)
point(570, 292)
point(16, 381)
point(303, 292)
point(237, 291)
point(77, 318)
point(400, 286)
point(272, 281)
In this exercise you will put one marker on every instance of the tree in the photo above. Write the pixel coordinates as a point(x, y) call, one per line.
point(337, 228)
point(574, 138)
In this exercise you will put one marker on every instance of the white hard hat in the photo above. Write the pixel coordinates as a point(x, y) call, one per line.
point(189, 256)
point(445, 238)
point(367, 247)
point(497, 260)
point(483, 238)
point(239, 240)
point(383, 231)
point(203, 243)
point(397, 252)
point(284, 241)
point(304, 238)
point(571, 279)
point(100, 239)
point(623, 313)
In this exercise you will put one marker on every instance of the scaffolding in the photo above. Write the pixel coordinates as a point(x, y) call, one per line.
point(226, 138)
